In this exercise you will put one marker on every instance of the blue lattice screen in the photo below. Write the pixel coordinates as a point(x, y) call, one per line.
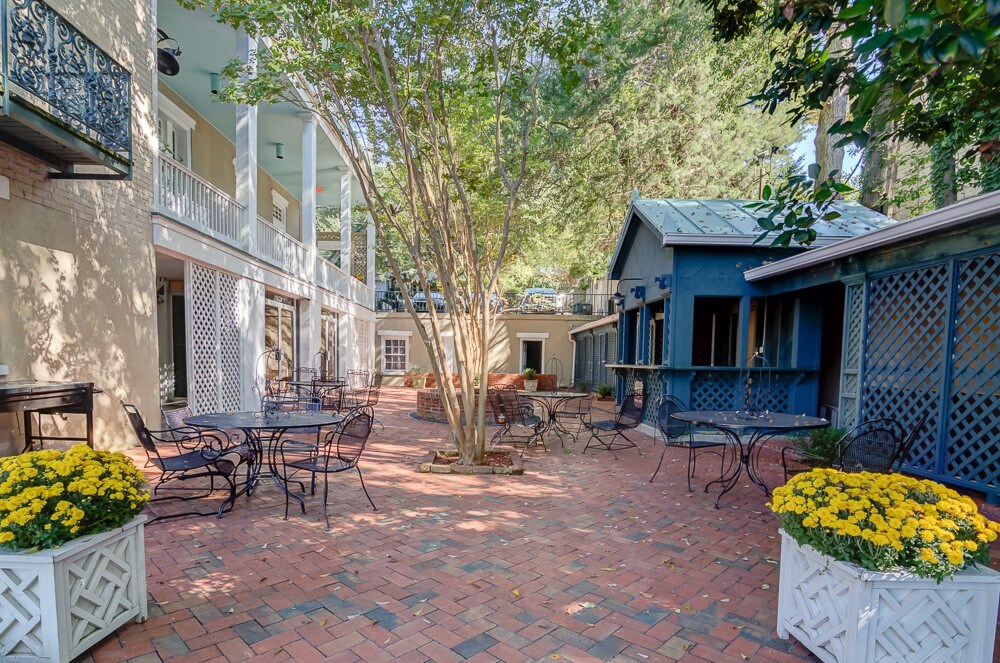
point(725, 391)
point(931, 346)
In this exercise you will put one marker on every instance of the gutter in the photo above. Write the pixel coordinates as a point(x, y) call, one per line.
point(946, 218)
point(600, 322)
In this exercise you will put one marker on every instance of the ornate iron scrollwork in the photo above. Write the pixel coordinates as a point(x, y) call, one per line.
point(68, 76)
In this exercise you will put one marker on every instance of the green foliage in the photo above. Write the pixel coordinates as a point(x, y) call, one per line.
point(529, 373)
point(821, 442)
point(939, 62)
point(604, 390)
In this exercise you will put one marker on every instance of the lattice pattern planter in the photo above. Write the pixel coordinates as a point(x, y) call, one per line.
point(846, 614)
point(56, 604)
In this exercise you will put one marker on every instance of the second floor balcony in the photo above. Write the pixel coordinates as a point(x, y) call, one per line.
point(266, 180)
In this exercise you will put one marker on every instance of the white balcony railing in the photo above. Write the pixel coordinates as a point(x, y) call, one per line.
point(195, 202)
point(281, 249)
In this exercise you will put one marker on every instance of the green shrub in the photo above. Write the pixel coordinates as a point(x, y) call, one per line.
point(529, 373)
point(821, 442)
point(604, 390)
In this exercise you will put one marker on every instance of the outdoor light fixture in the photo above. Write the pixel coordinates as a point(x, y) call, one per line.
point(618, 298)
point(166, 58)
point(214, 81)
point(279, 150)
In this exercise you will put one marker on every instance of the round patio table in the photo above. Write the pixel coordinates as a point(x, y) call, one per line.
point(262, 431)
point(549, 401)
point(320, 389)
point(737, 425)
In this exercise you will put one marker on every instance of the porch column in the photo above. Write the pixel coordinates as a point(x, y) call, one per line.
point(246, 153)
point(852, 352)
point(250, 316)
point(370, 274)
point(345, 221)
point(310, 331)
point(345, 337)
point(309, 186)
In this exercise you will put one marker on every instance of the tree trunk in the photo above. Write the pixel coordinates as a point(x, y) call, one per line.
point(880, 169)
point(831, 158)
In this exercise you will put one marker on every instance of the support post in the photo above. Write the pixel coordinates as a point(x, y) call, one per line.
point(308, 225)
point(251, 320)
point(246, 152)
point(345, 222)
point(370, 257)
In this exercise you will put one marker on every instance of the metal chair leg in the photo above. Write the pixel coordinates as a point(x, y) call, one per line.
point(364, 488)
point(657, 470)
point(326, 510)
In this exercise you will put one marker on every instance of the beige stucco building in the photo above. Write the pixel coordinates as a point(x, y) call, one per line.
point(538, 340)
point(173, 280)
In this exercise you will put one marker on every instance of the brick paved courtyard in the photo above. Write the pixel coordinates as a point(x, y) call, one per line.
point(580, 559)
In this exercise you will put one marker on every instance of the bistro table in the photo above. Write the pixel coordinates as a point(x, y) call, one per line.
point(262, 432)
point(320, 389)
point(736, 425)
point(549, 401)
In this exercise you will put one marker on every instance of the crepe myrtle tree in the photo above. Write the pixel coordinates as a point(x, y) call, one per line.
point(436, 106)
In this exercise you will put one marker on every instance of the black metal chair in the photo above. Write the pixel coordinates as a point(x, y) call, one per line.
point(519, 425)
point(340, 451)
point(610, 433)
point(908, 441)
point(676, 433)
point(879, 445)
point(574, 411)
point(204, 454)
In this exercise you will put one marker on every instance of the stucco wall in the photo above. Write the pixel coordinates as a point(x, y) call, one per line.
point(77, 297)
point(505, 346)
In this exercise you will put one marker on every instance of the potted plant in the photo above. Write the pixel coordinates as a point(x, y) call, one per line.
point(530, 379)
point(418, 378)
point(603, 392)
point(884, 567)
point(818, 447)
point(69, 531)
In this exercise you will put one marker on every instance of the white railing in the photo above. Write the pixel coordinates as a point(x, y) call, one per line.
point(281, 249)
point(195, 202)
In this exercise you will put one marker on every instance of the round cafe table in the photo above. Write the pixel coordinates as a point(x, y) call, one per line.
point(549, 402)
point(262, 431)
point(745, 430)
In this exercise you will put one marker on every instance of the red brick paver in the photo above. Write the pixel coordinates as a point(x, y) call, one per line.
point(580, 559)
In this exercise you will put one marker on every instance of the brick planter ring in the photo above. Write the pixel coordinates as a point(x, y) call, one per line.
point(431, 408)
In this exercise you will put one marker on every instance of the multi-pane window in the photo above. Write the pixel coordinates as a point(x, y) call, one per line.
point(279, 210)
point(393, 355)
point(279, 336)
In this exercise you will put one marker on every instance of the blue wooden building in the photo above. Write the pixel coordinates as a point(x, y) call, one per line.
point(877, 318)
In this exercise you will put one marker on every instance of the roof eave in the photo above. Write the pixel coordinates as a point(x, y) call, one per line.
point(960, 213)
point(692, 239)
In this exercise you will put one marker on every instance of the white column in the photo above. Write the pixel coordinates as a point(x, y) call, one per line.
point(251, 321)
point(345, 222)
point(310, 331)
point(371, 252)
point(246, 152)
point(309, 184)
point(346, 338)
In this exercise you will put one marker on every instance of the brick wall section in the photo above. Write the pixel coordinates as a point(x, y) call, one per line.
point(546, 382)
point(77, 291)
point(430, 406)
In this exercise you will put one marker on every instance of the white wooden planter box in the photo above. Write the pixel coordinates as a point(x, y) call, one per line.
point(56, 604)
point(845, 614)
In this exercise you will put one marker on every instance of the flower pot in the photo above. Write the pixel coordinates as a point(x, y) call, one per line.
point(531, 385)
point(844, 613)
point(419, 381)
point(56, 604)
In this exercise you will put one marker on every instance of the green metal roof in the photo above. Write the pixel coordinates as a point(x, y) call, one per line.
point(729, 222)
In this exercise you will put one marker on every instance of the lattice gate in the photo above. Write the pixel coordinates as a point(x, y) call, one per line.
point(931, 347)
point(213, 339)
point(363, 350)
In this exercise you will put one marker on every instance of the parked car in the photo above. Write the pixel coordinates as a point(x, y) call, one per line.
point(540, 300)
point(420, 302)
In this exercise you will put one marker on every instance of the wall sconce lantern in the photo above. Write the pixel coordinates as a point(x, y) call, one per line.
point(166, 56)
point(619, 299)
point(279, 150)
point(214, 82)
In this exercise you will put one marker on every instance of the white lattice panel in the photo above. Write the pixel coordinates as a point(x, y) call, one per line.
point(363, 345)
point(56, 604)
point(213, 339)
point(844, 614)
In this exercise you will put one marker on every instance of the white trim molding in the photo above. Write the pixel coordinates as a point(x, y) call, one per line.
point(394, 332)
point(532, 335)
point(389, 335)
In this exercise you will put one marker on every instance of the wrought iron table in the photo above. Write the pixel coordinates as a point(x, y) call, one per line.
point(321, 389)
point(549, 401)
point(736, 425)
point(262, 431)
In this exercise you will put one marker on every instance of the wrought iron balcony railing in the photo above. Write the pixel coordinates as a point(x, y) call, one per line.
point(530, 302)
point(64, 99)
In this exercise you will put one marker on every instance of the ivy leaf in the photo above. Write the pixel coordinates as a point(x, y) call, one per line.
point(895, 12)
point(973, 42)
point(855, 10)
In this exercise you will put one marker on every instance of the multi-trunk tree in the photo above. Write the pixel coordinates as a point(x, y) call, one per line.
point(435, 105)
